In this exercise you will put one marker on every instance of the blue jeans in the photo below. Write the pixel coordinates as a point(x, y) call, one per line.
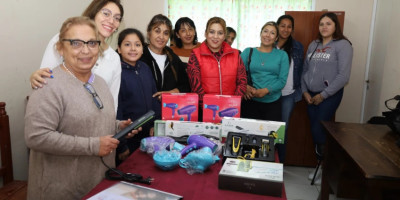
point(288, 103)
point(322, 112)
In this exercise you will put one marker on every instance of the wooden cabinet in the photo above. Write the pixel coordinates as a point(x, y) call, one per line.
point(300, 148)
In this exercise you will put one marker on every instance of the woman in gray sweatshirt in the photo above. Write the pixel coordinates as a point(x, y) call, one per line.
point(326, 71)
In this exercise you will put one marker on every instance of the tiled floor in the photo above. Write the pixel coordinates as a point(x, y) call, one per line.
point(298, 187)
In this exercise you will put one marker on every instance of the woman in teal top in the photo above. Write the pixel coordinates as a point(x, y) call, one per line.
point(267, 73)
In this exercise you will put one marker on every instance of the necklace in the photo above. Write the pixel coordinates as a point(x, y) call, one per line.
point(262, 53)
point(261, 59)
point(91, 79)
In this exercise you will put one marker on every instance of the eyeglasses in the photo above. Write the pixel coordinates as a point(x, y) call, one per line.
point(96, 98)
point(107, 14)
point(78, 44)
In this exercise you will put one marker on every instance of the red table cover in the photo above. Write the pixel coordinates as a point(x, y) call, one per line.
point(178, 181)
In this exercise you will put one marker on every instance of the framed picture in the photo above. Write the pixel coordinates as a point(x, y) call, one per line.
point(128, 191)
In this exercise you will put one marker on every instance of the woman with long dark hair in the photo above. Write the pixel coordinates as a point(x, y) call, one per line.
point(326, 71)
point(291, 93)
point(107, 15)
point(185, 38)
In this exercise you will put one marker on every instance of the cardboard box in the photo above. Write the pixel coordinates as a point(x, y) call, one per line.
point(159, 128)
point(181, 128)
point(257, 177)
point(215, 107)
point(253, 126)
point(249, 146)
point(180, 106)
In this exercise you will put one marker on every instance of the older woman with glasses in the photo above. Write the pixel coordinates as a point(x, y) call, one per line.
point(69, 123)
point(107, 15)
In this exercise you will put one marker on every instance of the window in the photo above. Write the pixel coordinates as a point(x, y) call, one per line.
point(245, 16)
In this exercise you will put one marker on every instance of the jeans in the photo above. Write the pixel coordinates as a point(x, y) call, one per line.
point(322, 112)
point(288, 103)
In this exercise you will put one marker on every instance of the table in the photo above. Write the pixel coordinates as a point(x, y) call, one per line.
point(178, 181)
point(361, 161)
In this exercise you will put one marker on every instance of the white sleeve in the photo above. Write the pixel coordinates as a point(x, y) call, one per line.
point(109, 68)
point(116, 83)
point(51, 57)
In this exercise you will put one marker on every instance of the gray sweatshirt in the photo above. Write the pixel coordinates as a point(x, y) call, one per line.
point(327, 68)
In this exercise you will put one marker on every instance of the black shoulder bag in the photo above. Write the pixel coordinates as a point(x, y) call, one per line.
point(249, 81)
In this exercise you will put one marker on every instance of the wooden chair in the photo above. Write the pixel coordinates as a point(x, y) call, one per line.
point(12, 189)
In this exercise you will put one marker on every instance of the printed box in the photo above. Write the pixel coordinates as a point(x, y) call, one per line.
point(181, 128)
point(257, 177)
point(215, 107)
point(180, 106)
point(253, 126)
point(159, 128)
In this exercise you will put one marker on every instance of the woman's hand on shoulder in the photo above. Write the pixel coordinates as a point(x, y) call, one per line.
point(37, 78)
point(107, 145)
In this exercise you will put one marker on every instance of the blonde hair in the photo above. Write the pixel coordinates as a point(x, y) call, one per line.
point(271, 23)
point(216, 20)
point(66, 26)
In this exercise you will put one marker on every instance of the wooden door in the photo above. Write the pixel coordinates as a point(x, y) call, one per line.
point(300, 147)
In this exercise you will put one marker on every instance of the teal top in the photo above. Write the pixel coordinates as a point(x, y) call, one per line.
point(267, 70)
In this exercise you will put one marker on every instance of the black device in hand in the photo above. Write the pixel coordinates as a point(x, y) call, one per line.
point(135, 125)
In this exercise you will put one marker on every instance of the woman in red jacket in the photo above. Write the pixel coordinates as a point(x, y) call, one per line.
point(215, 67)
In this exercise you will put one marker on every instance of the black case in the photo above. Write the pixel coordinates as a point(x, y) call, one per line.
point(247, 143)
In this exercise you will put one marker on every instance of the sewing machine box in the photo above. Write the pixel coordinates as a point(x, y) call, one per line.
point(257, 177)
point(215, 107)
point(256, 127)
point(180, 106)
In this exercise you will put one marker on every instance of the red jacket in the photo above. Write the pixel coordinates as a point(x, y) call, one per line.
point(218, 77)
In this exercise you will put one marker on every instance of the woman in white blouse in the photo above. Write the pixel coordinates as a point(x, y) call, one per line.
point(107, 15)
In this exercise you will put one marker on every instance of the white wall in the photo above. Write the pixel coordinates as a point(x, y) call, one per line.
point(26, 29)
point(28, 25)
point(384, 68)
point(357, 21)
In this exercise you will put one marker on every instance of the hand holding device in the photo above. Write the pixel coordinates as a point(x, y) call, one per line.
point(135, 125)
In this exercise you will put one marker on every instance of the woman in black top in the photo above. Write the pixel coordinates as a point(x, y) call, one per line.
point(168, 70)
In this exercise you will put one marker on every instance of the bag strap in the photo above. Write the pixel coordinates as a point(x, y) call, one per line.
point(249, 81)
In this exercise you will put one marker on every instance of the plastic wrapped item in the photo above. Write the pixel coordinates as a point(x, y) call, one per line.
point(218, 150)
point(167, 160)
point(197, 142)
point(198, 161)
point(156, 143)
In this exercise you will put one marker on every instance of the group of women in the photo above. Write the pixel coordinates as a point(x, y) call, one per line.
point(68, 127)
